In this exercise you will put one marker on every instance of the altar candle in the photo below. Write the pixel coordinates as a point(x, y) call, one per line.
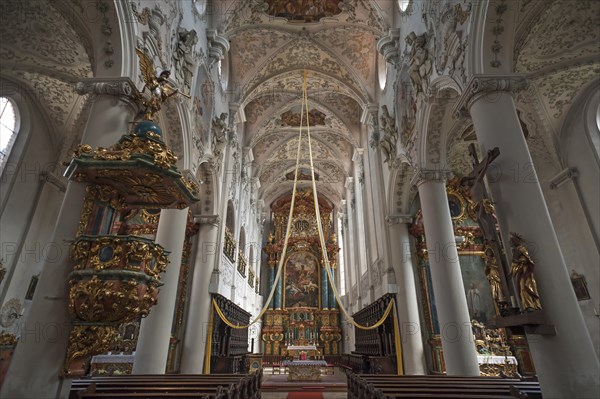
point(513, 301)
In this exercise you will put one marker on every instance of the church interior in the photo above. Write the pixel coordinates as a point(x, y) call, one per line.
point(300, 199)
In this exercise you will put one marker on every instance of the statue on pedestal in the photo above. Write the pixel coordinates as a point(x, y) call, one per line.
point(390, 135)
point(522, 271)
point(158, 86)
point(184, 56)
point(493, 276)
point(420, 64)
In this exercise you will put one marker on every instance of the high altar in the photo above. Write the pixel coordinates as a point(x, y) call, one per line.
point(303, 311)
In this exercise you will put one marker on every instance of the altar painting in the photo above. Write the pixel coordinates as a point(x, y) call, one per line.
point(303, 10)
point(477, 288)
point(301, 281)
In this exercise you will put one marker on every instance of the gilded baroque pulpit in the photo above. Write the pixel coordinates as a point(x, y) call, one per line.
point(116, 273)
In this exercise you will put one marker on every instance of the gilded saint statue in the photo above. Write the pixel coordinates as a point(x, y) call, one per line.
point(158, 86)
point(522, 272)
point(493, 276)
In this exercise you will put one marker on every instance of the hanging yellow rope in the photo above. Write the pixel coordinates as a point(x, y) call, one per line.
point(391, 305)
point(285, 243)
point(208, 350)
point(320, 229)
point(398, 343)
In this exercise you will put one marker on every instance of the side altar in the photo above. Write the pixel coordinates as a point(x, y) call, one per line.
point(303, 311)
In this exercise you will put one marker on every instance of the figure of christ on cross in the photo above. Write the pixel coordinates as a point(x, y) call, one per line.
point(486, 213)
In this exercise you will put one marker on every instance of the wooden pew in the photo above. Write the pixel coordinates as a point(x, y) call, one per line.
point(378, 386)
point(212, 386)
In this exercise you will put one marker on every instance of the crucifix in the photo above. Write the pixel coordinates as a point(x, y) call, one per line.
point(496, 267)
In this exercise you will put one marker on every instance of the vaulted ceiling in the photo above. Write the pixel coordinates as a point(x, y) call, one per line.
point(272, 44)
point(44, 56)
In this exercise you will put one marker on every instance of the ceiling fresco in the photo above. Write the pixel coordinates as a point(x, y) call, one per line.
point(303, 10)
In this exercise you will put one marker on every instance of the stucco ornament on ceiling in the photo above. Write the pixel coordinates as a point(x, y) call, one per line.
point(567, 30)
point(45, 67)
point(250, 47)
point(304, 53)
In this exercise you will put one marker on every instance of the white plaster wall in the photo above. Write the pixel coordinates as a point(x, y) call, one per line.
point(569, 202)
point(37, 249)
point(28, 209)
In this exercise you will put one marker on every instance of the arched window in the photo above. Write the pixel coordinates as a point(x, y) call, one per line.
point(242, 260)
point(230, 244)
point(382, 71)
point(9, 121)
point(230, 221)
point(403, 5)
point(596, 141)
point(200, 6)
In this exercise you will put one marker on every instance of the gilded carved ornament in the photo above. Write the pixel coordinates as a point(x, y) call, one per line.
point(86, 341)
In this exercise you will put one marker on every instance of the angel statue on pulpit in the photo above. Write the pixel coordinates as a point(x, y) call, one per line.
point(158, 85)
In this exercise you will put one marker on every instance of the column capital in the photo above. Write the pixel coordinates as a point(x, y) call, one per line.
point(389, 46)
point(118, 87)
point(358, 158)
point(398, 219)
point(427, 175)
point(369, 111)
point(483, 85)
point(207, 219)
point(349, 183)
point(218, 45)
point(358, 154)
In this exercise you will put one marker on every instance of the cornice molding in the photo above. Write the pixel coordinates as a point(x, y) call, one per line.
point(118, 87)
point(398, 219)
point(389, 46)
point(218, 45)
point(427, 175)
point(349, 184)
point(214, 220)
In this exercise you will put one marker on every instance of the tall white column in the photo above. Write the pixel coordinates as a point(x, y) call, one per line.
point(194, 341)
point(460, 355)
point(408, 306)
point(352, 268)
point(36, 366)
point(566, 363)
point(155, 330)
point(362, 258)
